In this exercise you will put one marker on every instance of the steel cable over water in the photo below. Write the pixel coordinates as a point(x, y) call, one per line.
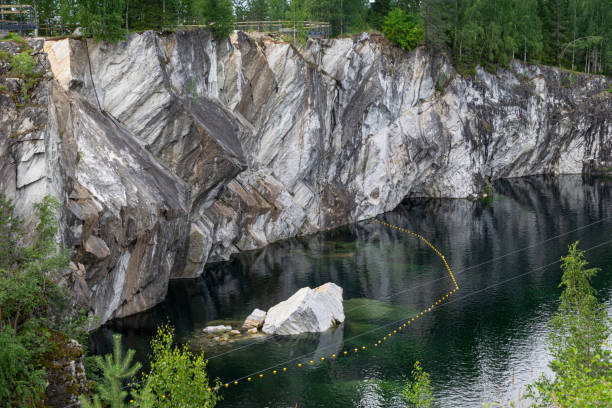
point(402, 323)
point(392, 295)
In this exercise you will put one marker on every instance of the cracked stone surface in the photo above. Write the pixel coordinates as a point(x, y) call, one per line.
point(171, 151)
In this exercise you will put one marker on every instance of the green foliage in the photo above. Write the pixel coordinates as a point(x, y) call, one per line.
point(582, 364)
point(102, 20)
point(378, 12)
point(403, 29)
point(31, 301)
point(217, 16)
point(21, 380)
point(24, 66)
point(15, 38)
point(116, 369)
point(419, 391)
point(177, 377)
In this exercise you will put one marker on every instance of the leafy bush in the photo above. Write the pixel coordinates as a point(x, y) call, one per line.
point(177, 377)
point(31, 301)
point(23, 65)
point(21, 381)
point(103, 20)
point(419, 391)
point(403, 29)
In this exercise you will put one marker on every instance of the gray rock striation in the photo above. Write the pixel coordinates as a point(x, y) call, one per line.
point(171, 151)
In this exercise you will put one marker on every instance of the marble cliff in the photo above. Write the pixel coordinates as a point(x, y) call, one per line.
point(170, 151)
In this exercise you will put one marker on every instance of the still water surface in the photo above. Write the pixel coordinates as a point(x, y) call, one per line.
point(482, 346)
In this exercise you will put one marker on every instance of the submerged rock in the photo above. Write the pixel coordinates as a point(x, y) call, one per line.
point(217, 329)
point(308, 310)
point(255, 319)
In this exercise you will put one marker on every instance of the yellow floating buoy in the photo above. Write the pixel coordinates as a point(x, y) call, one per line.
point(260, 375)
point(284, 368)
point(311, 362)
point(322, 358)
point(299, 364)
point(274, 372)
point(333, 356)
point(248, 379)
point(235, 382)
point(345, 353)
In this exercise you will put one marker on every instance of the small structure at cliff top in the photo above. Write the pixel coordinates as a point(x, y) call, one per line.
point(308, 310)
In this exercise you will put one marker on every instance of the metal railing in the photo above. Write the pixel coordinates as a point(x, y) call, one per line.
point(20, 18)
point(312, 28)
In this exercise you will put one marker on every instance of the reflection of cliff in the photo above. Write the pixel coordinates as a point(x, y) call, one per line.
point(373, 262)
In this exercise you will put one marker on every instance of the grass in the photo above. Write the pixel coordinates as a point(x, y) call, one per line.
point(15, 38)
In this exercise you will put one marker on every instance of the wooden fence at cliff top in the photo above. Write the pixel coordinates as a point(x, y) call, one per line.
point(311, 28)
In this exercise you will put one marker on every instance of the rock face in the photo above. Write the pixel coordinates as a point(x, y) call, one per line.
point(307, 311)
point(66, 378)
point(170, 151)
point(255, 320)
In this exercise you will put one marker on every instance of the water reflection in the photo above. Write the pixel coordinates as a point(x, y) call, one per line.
point(482, 347)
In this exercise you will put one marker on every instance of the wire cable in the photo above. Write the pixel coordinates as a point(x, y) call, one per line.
point(402, 320)
point(390, 296)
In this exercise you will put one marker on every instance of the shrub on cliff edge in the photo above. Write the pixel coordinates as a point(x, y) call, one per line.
point(403, 29)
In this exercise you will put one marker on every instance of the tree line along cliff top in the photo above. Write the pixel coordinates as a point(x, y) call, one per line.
point(571, 34)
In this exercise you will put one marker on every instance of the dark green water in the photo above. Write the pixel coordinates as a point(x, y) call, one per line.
point(484, 345)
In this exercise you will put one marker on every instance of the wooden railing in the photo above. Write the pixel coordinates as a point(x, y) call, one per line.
point(312, 28)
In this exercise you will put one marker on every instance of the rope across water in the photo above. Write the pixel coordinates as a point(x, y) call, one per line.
point(301, 361)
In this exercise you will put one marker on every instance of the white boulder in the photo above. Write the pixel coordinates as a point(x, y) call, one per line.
point(217, 329)
point(308, 310)
point(255, 319)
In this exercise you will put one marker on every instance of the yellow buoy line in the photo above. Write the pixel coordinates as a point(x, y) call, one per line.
point(300, 361)
point(471, 267)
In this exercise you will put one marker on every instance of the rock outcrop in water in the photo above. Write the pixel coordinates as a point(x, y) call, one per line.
point(307, 311)
point(171, 151)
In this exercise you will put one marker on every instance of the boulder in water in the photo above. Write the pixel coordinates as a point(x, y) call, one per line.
point(255, 319)
point(217, 329)
point(308, 310)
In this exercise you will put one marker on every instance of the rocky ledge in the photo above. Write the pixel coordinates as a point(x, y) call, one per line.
point(171, 151)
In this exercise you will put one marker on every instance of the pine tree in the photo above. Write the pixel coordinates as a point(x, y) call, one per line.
point(116, 370)
point(217, 16)
point(581, 364)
